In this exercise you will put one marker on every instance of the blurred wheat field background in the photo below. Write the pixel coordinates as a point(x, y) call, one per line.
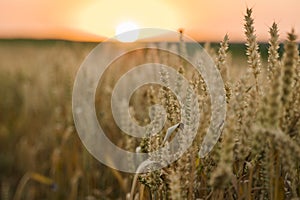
point(257, 156)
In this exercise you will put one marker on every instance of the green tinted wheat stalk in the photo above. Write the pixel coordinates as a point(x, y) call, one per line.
point(252, 47)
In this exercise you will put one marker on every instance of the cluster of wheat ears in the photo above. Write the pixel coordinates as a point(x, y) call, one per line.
point(256, 157)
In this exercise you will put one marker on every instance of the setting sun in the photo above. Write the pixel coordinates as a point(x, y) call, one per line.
point(127, 32)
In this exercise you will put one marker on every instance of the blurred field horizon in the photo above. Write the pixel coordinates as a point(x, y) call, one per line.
point(37, 134)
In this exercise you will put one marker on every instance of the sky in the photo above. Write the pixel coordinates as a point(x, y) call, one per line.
point(90, 20)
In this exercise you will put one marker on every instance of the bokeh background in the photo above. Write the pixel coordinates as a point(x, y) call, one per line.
point(43, 43)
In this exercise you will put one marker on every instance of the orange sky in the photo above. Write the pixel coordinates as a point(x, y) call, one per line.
point(204, 20)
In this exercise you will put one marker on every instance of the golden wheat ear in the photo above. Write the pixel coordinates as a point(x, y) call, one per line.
point(273, 55)
point(222, 56)
point(270, 110)
point(252, 51)
point(290, 61)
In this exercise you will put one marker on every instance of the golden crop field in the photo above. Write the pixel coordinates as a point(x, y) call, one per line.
point(256, 157)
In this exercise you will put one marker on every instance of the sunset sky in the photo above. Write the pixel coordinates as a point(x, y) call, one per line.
point(86, 20)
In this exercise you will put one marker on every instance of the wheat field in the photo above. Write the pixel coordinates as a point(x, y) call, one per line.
point(256, 157)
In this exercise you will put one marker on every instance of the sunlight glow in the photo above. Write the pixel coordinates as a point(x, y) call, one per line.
point(127, 32)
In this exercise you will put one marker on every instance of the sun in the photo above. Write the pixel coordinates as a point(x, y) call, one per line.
point(127, 32)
